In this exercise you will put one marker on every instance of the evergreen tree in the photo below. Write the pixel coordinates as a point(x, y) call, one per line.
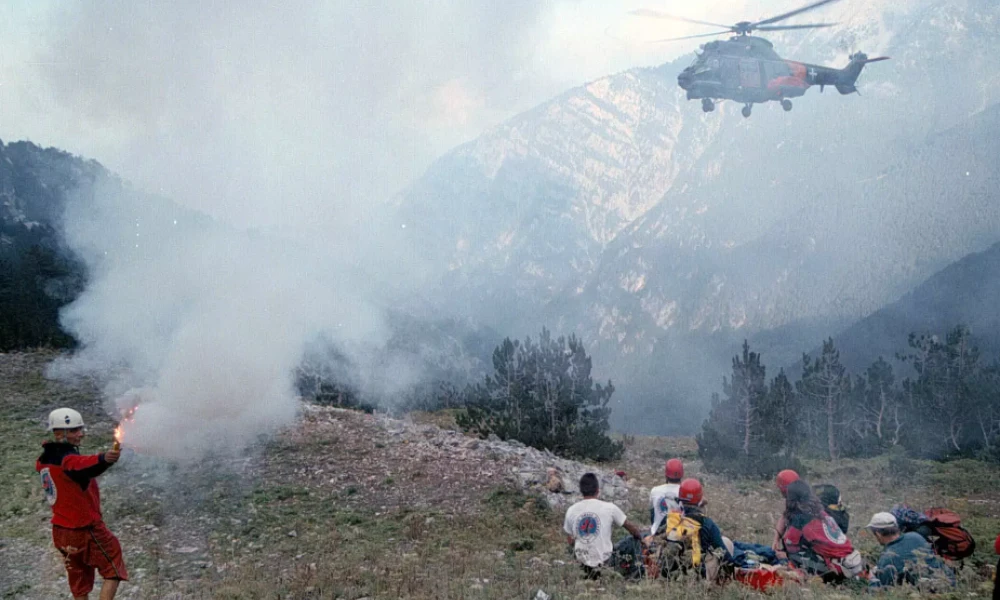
point(750, 431)
point(34, 283)
point(824, 387)
point(879, 406)
point(745, 393)
point(942, 392)
point(542, 394)
point(986, 399)
point(780, 416)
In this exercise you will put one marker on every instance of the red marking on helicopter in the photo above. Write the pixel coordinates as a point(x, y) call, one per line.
point(746, 68)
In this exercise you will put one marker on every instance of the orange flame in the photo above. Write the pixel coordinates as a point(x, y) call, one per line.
point(128, 417)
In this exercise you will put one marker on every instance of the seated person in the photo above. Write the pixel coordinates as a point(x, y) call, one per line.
point(589, 525)
point(783, 480)
point(663, 498)
point(906, 557)
point(690, 539)
point(829, 495)
point(813, 540)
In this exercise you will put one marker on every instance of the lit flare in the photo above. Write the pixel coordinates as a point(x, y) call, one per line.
point(128, 417)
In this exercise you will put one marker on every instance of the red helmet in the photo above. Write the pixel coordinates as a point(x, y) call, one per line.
point(674, 469)
point(784, 478)
point(690, 492)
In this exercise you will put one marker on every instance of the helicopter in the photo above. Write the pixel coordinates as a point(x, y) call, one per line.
point(746, 68)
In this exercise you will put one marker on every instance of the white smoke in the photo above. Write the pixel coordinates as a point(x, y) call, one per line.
point(201, 324)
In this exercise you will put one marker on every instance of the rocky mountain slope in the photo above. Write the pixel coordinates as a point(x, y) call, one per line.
point(620, 211)
point(966, 292)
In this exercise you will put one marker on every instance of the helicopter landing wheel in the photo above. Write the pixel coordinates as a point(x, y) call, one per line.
point(786, 104)
point(746, 110)
point(707, 105)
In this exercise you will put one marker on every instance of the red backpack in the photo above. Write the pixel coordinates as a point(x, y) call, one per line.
point(952, 541)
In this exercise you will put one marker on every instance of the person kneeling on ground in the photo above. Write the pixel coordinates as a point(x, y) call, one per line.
point(589, 524)
point(69, 482)
point(663, 498)
point(906, 557)
point(813, 541)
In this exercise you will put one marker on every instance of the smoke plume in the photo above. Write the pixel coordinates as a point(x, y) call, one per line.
point(200, 324)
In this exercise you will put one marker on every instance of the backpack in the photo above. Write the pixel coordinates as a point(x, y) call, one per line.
point(951, 540)
point(908, 518)
point(678, 544)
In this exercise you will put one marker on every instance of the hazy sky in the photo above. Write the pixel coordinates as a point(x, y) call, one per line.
point(299, 116)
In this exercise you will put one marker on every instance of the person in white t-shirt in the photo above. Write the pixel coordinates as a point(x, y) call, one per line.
point(663, 498)
point(589, 524)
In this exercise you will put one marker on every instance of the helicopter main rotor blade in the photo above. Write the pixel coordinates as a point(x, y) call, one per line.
point(645, 12)
point(688, 37)
point(792, 13)
point(783, 27)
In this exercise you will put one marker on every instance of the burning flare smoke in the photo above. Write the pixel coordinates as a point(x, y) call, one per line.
point(201, 325)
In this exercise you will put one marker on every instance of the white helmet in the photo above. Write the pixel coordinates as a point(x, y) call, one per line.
point(65, 418)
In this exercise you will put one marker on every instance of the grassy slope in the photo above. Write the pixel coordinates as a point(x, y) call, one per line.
point(269, 533)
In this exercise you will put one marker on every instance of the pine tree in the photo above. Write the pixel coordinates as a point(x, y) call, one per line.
point(780, 416)
point(880, 406)
point(824, 387)
point(751, 430)
point(986, 399)
point(942, 393)
point(745, 393)
point(542, 394)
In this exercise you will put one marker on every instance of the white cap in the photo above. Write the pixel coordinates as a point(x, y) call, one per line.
point(65, 418)
point(883, 520)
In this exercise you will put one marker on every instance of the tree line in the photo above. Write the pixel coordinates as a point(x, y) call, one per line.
point(948, 405)
point(36, 280)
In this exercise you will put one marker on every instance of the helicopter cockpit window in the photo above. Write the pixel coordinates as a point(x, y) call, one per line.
point(702, 64)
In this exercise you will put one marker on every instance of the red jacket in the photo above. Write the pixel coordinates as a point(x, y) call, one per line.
point(822, 536)
point(69, 484)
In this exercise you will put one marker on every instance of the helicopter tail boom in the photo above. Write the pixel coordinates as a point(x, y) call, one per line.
point(850, 73)
point(842, 79)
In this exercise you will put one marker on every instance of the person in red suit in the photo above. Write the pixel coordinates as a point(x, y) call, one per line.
point(69, 481)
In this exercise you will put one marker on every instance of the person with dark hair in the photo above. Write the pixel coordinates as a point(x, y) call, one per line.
point(829, 495)
point(906, 557)
point(663, 498)
point(589, 525)
point(812, 539)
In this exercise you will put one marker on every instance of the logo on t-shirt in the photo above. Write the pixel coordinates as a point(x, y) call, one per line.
point(48, 486)
point(663, 504)
point(588, 526)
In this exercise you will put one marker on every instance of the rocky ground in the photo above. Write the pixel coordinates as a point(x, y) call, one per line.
point(183, 523)
point(352, 505)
